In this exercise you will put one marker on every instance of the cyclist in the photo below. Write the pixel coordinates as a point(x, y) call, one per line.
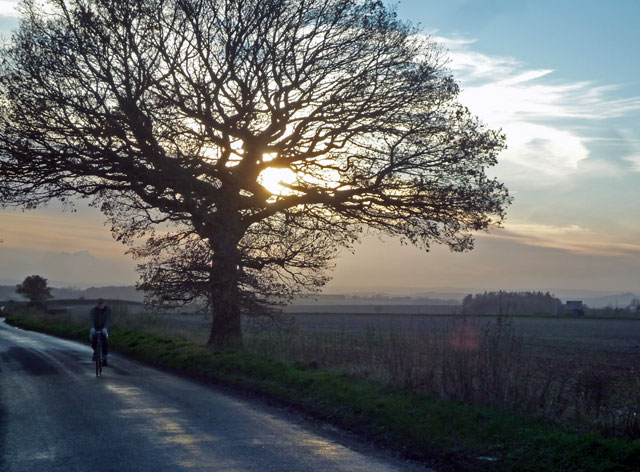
point(100, 319)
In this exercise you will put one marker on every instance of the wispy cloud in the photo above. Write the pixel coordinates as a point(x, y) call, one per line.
point(548, 121)
point(572, 238)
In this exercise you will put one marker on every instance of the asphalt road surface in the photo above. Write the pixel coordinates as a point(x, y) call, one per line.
point(55, 415)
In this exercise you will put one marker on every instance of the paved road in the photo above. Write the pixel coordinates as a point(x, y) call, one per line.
point(55, 415)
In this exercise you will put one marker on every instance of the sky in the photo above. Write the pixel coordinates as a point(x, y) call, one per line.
point(561, 78)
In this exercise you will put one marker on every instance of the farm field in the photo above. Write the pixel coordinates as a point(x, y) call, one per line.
point(561, 328)
point(609, 348)
point(615, 341)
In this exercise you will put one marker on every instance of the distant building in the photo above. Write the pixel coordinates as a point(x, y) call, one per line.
point(574, 307)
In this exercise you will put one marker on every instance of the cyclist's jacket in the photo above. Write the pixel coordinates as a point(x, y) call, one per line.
point(100, 318)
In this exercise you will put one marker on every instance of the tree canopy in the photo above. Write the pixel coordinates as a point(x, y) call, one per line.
point(34, 287)
point(169, 115)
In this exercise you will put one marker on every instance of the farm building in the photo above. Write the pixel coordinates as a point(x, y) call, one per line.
point(574, 307)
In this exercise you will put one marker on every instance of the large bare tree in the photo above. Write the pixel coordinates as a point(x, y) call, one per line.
point(168, 114)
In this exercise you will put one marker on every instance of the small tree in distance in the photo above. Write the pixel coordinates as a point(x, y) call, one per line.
point(34, 287)
point(169, 115)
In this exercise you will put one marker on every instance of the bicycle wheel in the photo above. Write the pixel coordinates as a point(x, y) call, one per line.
point(99, 357)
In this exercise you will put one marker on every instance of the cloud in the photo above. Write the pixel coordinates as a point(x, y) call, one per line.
point(8, 8)
point(549, 150)
point(474, 66)
point(548, 122)
point(572, 238)
point(634, 161)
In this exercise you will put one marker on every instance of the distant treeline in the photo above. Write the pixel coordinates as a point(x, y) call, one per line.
point(511, 303)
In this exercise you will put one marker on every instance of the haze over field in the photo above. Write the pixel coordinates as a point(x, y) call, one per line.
point(561, 80)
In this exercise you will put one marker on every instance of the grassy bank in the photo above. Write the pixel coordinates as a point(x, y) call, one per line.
point(447, 435)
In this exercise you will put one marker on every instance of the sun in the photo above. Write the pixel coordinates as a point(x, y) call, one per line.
point(276, 179)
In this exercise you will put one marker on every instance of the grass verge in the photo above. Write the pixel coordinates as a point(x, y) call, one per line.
point(444, 434)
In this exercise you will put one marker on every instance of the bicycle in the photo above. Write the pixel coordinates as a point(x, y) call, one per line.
point(99, 357)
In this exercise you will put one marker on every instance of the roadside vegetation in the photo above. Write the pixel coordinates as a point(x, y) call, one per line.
point(471, 398)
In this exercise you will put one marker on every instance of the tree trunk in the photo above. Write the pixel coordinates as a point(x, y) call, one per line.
point(226, 327)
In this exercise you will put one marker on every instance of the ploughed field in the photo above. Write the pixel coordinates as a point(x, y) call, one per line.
point(594, 332)
point(610, 344)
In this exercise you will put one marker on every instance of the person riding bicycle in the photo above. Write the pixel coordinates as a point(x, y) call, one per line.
point(100, 319)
